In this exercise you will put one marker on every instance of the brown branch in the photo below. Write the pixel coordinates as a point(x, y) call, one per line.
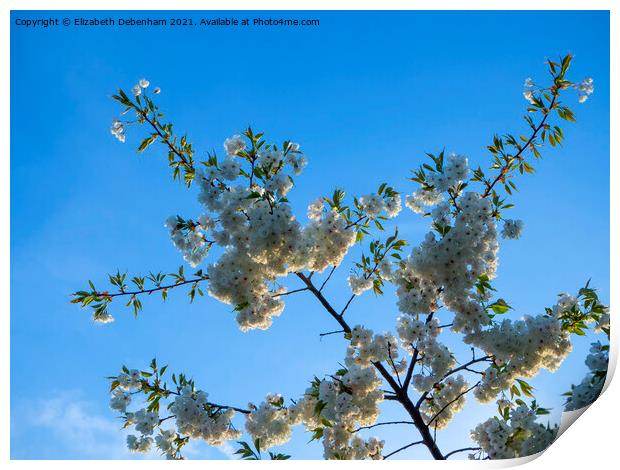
point(517, 156)
point(155, 289)
point(331, 333)
point(414, 359)
point(326, 280)
point(383, 424)
point(400, 393)
point(290, 292)
point(464, 449)
point(402, 448)
point(450, 403)
point(454, 371)
point(226, 407)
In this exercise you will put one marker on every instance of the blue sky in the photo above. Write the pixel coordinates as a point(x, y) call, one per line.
point(366, 94)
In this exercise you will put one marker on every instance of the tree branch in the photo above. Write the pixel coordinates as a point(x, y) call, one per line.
point(517, 156)
point(226, 407)
point(450, 403)
point(155, 289)
point(453, 371)
point(402, 448)
point(328, 278)
point(383, 424)
point(464, 449)
point(401, 393)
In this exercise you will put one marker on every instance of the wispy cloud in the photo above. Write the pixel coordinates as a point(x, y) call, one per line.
point(69, 427)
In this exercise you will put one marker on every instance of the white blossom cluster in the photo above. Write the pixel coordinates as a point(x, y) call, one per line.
point(130, 380)
point(416, 295)
point(360, 284)
point(140, 444)
point(118, 130)
point(588, 390)
point(346, 401)
point(165, 442)
point(418, 200)
point(352, 401)
point(441, 214)
point(120, 400)
point(520, 437)
point(340, 444)
point(190, 241)
point(512, 229)
point(416, 333)
point(198, 420)
point(263, 240)
point(603, 322)
point(193, 418)
point(454, 171)
point(585, 88)
point(373, 205)
point(520, 349)
point(528, 93)
point(336, 405)
point(565, 303)
point(326, 239)
point(434, 357)
point(121, 395)
point(366, 348)
point(270, 422)
point(138, 87)
point(145, 423)
point(447, 399)
point(451, 265)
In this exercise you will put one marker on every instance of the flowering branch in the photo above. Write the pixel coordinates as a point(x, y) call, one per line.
point(262, 241)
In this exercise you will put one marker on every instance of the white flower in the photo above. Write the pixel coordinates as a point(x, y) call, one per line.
point(136, 90)
point(120, 400)
point(144, 83)
point(157, 91)
point(359, 284)
point(512, 229)
point(585, 88)
point(234, 144)
point(118, 130)
point(229, 169)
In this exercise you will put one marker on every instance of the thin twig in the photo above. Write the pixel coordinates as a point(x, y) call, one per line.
point(453, 371)
point(383, 424)
point(331, 333)
point(155, 289)
point(290, 292)
point(328, 278)
point(517, 156)
point(464, 449)
point(402, 448)
point(447, 405)
point(226, 407)
point(347, 305)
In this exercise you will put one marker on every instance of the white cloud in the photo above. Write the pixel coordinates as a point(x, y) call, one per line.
point(71, 427)
point(74, 426)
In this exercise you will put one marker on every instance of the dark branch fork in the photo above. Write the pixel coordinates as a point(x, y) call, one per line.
point(399, 392)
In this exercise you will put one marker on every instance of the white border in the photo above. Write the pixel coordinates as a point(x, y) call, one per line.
point(592, 443)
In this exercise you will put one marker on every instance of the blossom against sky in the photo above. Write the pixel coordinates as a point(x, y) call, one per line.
point(366, 95)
